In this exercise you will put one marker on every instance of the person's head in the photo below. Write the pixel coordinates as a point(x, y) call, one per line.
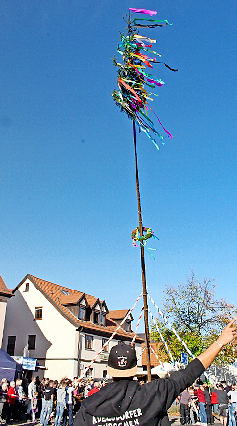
point(18, 382)
point(63, 383)
point(4, 386)
point(4, 380)
point(12, 384)
point(96, 385)
point(51, 383)
point(33, 379)
point(122, 361)
point(220, 387)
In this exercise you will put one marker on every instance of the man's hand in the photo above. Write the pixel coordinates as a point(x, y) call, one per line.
point(229, 333)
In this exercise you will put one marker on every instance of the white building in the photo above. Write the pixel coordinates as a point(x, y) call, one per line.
point(63, 328)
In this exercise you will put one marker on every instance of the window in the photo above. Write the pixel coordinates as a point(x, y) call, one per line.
point(127, 325)
point(65, 292)
point(27, 287)
point(82, 310)
point(104, 374)
point(89, 341)
point(106, 349)
point(88, 314)
point(89, 372)
point(96, 315)
point(102, 318)
point(11, 345)
point(38, 313)
point(31, 342)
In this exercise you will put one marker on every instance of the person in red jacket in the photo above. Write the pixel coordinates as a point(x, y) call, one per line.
point(214, 402)
point(95, 389)
point(201, 399)
point(11, 402)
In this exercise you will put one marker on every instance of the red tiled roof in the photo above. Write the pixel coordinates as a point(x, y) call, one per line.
point(71, 299)
point(118, 314)
point(3, 288)
point(154, 360)
point(53, 292)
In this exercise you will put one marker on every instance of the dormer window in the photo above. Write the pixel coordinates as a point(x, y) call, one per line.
point(96, 317)
point(102, 318)
point(82, 311)
point(127, 326)
point(65, 292)
point(96, 313)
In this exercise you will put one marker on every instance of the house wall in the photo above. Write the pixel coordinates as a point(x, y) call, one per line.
point(3, 307)
point(58, 344)
point(56, 338)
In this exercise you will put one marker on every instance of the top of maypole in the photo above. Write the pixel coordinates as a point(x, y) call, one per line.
point(131, 95)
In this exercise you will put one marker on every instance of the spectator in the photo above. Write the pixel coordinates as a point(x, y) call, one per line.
point(68, 413)
point(20, 397)
point(44, 383)
point(210, 420)
point(34, 401)
point(185, 401)
point(11, 402)
point(201, 400)
point(232, 394)
point(61, 403)
point(3, 401)
point(96, 388)
point(214, 402)
point(222, 404)
point(48, 403)
point(193, 406)
point(31, 390)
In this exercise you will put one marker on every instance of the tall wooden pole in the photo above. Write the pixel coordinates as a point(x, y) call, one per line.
point(144, 290)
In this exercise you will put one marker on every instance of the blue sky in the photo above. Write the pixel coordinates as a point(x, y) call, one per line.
point(67, 179)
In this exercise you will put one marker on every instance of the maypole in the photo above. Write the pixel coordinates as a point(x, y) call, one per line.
point(144, 289)
point(132, 98)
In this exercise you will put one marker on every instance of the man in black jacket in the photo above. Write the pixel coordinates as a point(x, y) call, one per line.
point(126, 403)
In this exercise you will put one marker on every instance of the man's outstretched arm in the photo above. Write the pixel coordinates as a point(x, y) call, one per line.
point(228, 335)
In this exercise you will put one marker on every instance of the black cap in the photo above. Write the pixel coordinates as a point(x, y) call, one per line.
point(122, 361)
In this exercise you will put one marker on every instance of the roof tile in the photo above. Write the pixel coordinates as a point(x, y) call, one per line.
point(3, 287)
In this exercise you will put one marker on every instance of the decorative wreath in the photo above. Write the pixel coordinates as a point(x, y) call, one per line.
point(135, 237)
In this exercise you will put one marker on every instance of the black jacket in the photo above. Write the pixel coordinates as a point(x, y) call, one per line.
point(127, 403)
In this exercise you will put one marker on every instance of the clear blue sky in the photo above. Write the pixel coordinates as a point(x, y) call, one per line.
point(67, 180)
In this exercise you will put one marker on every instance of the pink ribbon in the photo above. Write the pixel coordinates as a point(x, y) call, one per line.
point(146, 11)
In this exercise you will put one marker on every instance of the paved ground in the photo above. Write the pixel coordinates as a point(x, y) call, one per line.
point(175, 420)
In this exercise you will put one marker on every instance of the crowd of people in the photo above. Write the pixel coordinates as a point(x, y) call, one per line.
point(44, 401)
point(50, 401)
point(201, 403)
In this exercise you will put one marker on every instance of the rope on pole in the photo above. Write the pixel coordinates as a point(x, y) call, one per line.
point(137, 325)
point(161, 336)
point(171, 326)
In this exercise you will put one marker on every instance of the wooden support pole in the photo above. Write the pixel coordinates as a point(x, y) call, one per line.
point(144, 290)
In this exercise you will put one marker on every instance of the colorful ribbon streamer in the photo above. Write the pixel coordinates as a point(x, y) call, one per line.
point(131, 97)
point(146, 11)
